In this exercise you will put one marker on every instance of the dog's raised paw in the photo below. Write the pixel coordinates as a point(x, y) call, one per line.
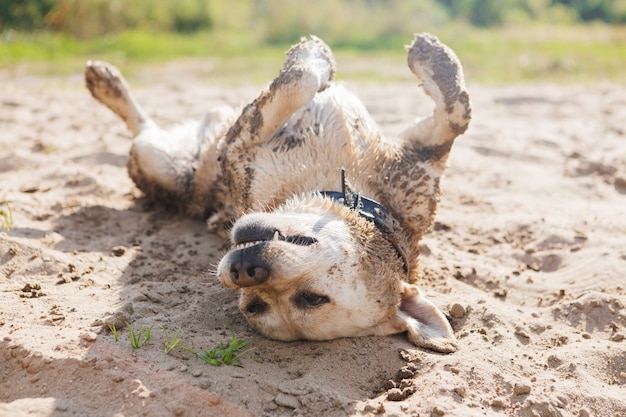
point(442, 76)
point(104, 81)
point(107, 85)
point(314, 56)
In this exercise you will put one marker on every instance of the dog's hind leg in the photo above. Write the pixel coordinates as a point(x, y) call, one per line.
point(163, 164)
point(106, 84)
point(154, 165)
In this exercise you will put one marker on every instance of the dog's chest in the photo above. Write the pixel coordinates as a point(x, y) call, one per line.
point(334, 119)
point(308, 152)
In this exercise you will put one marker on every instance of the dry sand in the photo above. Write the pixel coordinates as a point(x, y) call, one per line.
point(527, 258)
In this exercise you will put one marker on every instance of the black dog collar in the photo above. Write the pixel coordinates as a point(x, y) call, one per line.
point(370, 210)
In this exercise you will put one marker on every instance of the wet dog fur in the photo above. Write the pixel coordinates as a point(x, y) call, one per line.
point(306, 265)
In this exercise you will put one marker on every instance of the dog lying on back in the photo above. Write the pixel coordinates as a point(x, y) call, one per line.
point(325, 214)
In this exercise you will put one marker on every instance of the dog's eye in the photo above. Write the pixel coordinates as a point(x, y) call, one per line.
point(308, 300)
point(301, 240)
point(256, 307)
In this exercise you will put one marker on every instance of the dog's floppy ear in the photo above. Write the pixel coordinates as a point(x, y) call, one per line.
point(427, 327)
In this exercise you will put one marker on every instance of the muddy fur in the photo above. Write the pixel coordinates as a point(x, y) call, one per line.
point(306, 265)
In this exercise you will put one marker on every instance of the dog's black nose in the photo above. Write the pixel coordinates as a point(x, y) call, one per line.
point(247, 275)
point(248, 269)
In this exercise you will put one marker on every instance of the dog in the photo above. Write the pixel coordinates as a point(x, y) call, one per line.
point(324, 213)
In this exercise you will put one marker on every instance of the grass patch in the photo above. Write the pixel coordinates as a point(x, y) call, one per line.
point(173, 342)
point(225, 353)
point(57, 54)
point(114, 332)
point(139, 337)
point(6, 216)
point(555, 54)
point(510, 54)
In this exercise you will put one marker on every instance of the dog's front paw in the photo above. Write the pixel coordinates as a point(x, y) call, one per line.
point(312, 56)
point(442, 76)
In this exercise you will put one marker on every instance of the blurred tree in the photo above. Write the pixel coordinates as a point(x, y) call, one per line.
point(612, 11)
point(496, 12)
point(366, 23)
point(24, 14)
point(358, 22)
point(191, 16)
point(91, 18)
point(484, 13)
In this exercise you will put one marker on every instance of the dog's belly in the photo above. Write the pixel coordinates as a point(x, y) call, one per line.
point(331, 132)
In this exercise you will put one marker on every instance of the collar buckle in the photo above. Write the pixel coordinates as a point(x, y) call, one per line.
point(372, 211)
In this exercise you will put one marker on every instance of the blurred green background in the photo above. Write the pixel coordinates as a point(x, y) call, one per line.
point(497, 40)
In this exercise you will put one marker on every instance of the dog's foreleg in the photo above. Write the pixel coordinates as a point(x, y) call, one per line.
point(412, 166)
point(442, 77)
point(309, 68)
point(107, 85)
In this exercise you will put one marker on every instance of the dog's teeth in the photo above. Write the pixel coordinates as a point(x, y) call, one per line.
point(275, 237)
point(247, 244)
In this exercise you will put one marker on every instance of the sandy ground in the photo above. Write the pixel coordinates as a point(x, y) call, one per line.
point(527, 259)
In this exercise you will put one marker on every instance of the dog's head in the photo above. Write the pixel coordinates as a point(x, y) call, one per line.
point(314, 269)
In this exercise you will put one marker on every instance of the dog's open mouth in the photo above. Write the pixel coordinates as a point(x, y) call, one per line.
point(248, 236)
